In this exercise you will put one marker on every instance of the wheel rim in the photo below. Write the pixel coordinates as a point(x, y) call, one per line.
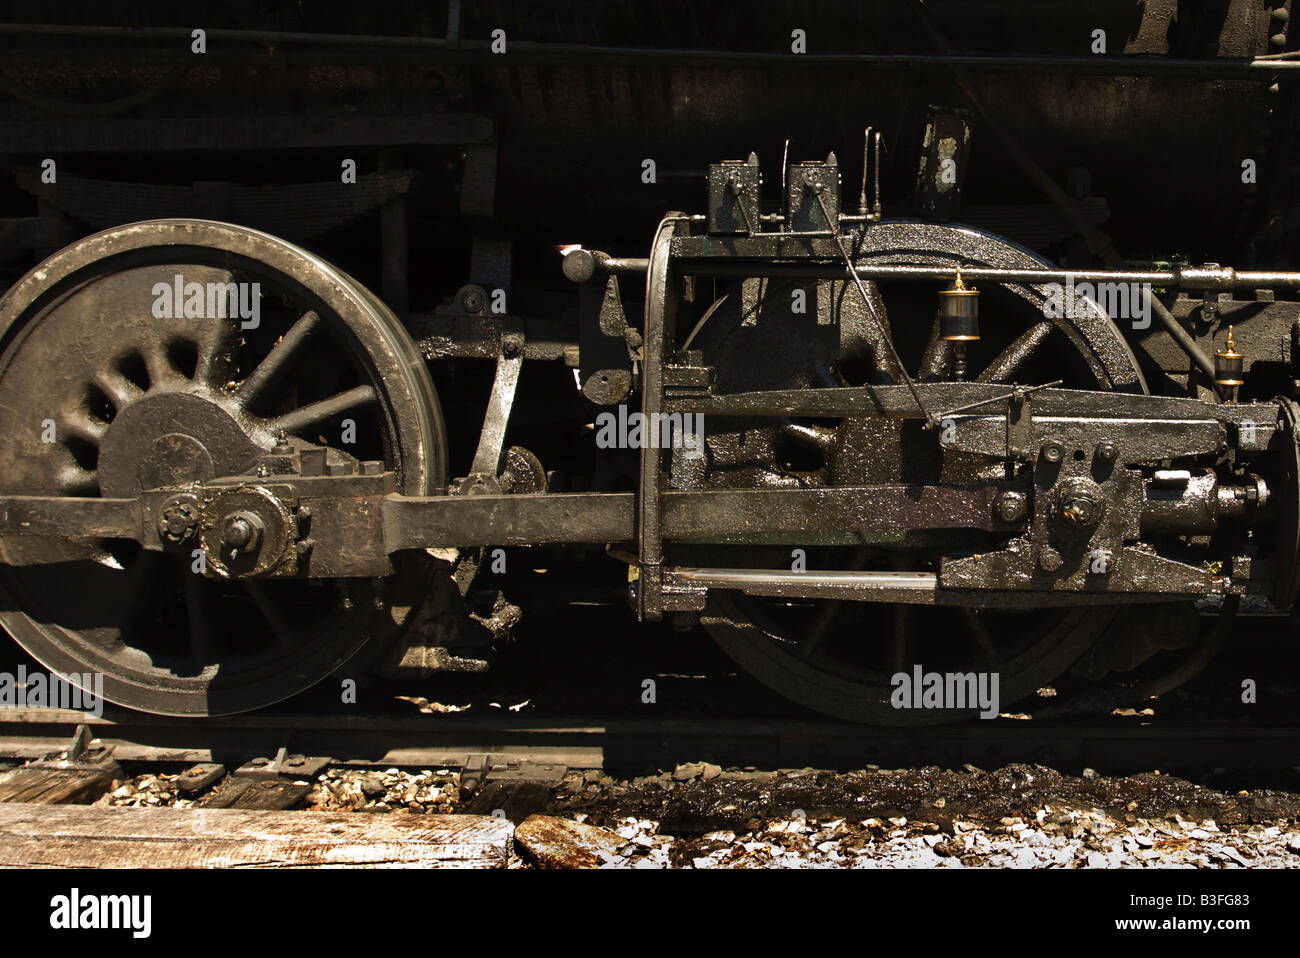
point(141, 400)
point(838, 657)
point(1027, 650)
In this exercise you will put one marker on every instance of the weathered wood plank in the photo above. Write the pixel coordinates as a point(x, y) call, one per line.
point(253, 794)
point(44, 836)
point(517, 799)
point(50, 785)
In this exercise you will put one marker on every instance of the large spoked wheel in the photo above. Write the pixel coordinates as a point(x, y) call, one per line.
point(115, 379)
point(839, 657)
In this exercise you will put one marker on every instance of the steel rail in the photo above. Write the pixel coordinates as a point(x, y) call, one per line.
point(1109, 744)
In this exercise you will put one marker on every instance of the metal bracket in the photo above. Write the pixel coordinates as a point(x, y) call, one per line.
point(283, 766)
point(734, 190)
point(604, 360)
point(662, 292)
point(472, 773)
point(813, 196)
point(491, 443)
point(81, 752)
point(81, 740)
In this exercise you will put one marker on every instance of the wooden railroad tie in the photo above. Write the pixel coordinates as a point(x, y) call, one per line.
point(106, 837)
point(78, 775)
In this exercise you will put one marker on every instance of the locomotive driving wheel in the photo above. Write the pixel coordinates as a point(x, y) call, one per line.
point(129, 362)
point(839, 657)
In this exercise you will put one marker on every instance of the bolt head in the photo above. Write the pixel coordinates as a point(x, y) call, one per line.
point(1052, 451)
point(1080, 511)
point(1106, 451)
point(1050, 559)
point(1011, 506)
point(241, 532)
point(238, 533)
point(579, 266)
point(178, 521)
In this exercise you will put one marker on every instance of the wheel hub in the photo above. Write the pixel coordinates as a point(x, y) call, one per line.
point(248, 531)
point(171, 439)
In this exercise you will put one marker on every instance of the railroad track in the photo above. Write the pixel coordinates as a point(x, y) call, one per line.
point(511, 768)
point(1116, 744)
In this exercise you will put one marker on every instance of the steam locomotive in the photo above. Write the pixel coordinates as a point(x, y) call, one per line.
point(326, 333)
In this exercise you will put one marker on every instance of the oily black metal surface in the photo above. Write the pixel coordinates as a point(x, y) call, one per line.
point(257, 526)
point(813, 650)
point(365, 512)
point(268, 520)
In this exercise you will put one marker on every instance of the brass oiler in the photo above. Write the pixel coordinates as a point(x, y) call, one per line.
point(1229, 369)
point(959, 320)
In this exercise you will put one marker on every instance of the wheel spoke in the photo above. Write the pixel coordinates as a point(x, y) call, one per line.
point(120, 390)
point(313, 414)
point(75, 481)
point(278, 360)
point(828, 612)
point(141, 579)
point(936, 356)
point(83, 427)
point(201, 615)
point(825, 615)
point(217, 343)
point(284, 630)
point(982, 637)
point(1013, 357)
point(902, 613)
point(158, 365)
point(880, 335)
